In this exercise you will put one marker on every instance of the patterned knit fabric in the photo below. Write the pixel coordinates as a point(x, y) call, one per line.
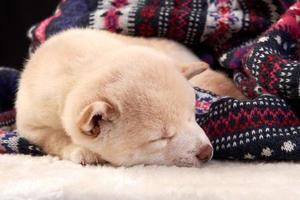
point(256, 41)
point(8, 87)
point(229, 27)
point(261, 129)
point(271, 63)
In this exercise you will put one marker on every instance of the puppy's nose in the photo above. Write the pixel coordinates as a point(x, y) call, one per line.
point(205, 152)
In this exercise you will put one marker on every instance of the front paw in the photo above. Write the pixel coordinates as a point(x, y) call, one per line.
point(83, 156)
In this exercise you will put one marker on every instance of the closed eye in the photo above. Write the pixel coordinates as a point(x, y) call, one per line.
point(156, 145)
point(163, 138)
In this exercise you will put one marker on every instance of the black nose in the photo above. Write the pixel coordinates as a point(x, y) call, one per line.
point(205, 152)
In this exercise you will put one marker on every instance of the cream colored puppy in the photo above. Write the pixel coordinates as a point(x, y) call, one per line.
point(92, 96)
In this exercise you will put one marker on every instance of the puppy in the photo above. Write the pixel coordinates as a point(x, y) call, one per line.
point(91, 97)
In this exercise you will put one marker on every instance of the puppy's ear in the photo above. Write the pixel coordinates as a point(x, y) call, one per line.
point(92, 117)
point(192, 69)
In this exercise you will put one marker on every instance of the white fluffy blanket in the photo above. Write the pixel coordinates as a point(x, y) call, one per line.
point(25, 177)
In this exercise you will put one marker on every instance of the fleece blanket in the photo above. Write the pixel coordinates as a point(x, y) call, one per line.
point(256, 41)
point(47, 178)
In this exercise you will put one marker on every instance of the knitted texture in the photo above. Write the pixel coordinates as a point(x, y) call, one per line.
point(230, 27)
point(271, 63)
point(8, 87)
point(261, 129)
point(257, 41)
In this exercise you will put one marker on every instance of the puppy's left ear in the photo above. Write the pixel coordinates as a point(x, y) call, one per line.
point(93, 116)
point(192, 69)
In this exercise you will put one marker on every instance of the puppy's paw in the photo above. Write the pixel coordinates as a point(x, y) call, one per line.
point(83, 156)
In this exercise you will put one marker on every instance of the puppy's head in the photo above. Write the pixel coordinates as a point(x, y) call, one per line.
point(138, 113)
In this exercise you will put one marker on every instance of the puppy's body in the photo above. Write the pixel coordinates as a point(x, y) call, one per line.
point(90, 96)
point(218, 83)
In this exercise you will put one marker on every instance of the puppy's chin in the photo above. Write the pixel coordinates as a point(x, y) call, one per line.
point(159, 159)
point(189, 162)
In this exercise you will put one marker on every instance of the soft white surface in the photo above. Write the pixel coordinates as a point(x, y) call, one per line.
point(25, 177)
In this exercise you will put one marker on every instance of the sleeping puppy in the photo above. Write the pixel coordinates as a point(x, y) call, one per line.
point(91, 97)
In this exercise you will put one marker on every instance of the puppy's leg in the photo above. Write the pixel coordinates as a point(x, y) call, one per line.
point(57, 143)
point(192, 69)
point(218, 83)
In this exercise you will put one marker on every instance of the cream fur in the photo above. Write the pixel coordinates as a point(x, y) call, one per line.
point(34, 178)
point(217, 82)
point(92, 96)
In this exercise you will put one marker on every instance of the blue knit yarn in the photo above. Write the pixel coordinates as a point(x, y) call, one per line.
point(8, 87)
